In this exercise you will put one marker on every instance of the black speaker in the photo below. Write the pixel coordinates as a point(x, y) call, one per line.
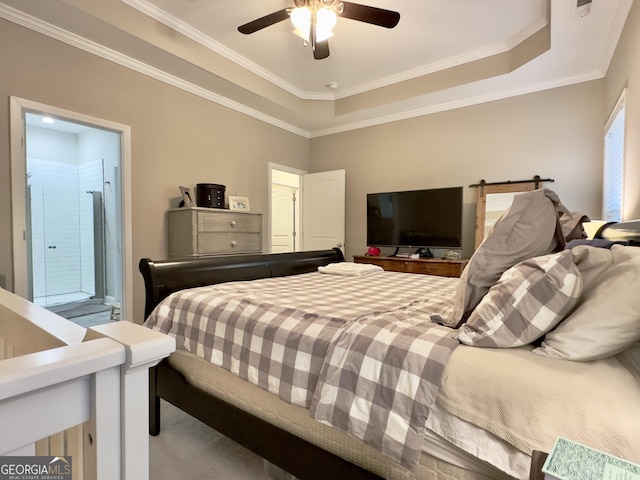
point(210, 195)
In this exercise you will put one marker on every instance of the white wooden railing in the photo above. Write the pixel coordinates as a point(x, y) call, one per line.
point(70, 391)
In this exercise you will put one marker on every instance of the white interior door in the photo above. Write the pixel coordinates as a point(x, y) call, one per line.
point(323, 200)
point(283, 209)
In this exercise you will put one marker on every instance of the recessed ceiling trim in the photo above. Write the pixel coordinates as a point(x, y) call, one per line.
point(45, 28)
point(197, 36)
point(461, 103)
point(619, 20)
point(208, 42)
point(449, 62)
point(482, 68)
point(38, 25)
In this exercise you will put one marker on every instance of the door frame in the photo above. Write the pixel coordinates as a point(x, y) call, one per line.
point(17, 109)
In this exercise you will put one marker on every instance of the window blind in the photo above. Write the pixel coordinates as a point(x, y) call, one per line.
point(614, 164)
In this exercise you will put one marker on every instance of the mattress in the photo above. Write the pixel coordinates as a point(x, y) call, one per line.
point(529, 400)
point(440, 460)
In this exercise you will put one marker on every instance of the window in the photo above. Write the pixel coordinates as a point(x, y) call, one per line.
point(614, 164)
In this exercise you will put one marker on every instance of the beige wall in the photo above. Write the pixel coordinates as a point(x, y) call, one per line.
point(624, 71)
point(555, 134)
point(177, 138)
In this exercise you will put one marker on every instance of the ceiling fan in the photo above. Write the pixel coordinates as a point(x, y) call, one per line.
point(314, 19)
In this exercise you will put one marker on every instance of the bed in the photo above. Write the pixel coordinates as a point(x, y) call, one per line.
point(503, 368)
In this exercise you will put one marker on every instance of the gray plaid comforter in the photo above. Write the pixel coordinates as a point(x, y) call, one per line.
point(359, 351)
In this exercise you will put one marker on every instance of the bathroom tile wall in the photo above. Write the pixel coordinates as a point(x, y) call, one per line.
point(62, 226)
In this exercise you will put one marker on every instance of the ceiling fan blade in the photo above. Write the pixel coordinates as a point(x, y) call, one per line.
point(321, 50)
point(263, 22)
point(368, 14)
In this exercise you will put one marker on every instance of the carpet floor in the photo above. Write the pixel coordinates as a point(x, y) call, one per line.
point(188, 449)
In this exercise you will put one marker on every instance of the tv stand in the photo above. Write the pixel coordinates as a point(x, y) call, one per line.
point(441, 267)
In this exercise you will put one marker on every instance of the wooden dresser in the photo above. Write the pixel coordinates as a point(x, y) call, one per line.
point(427, 266)
point(196, 231)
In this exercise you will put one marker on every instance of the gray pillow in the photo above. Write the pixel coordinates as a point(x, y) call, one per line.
point(571, 223)
point(530, 299)
point(529, 228)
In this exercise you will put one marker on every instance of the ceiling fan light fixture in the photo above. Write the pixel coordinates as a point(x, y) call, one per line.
point(325, 21)
point(313, 20)
point(301, 19)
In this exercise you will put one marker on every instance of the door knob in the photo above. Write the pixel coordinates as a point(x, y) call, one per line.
point(52, 246)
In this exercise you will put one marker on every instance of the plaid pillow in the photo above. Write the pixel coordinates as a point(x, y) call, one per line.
point(530, 299)
point(527, 229)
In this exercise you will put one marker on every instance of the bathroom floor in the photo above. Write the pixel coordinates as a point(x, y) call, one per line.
point(84, 313)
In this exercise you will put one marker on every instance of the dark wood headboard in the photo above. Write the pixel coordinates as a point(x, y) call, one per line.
point(163, 277)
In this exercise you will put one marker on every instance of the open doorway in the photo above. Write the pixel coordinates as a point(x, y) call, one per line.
point(285, 210)
point(306, 210)
point(71, 246)
point(72, 218)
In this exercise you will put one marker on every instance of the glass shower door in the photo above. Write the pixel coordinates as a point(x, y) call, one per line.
point(61, 244)
point(92, 243)
point(66, 245)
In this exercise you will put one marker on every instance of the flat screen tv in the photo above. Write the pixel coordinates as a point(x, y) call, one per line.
point(417, 218)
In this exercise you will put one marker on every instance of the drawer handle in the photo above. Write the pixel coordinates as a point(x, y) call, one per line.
point(233, 223)
point(233, 243)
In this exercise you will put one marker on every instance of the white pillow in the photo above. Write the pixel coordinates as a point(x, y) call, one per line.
point(630, 358)
point(605, 323)
point(592, 263)
point(622, 253)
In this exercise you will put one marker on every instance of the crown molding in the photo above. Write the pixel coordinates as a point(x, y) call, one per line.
point(614, 34)
point(461, 103)
point(69, 38)
point(197, 36)
point(449, 62)
point(206, 41)
point(52, 31)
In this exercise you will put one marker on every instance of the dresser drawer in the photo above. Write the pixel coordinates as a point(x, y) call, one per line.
point(225, 222)
point(215, 243)
point(200, 231)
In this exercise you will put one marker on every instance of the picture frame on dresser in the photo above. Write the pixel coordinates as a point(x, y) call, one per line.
point(186, 197)
point(239, 203)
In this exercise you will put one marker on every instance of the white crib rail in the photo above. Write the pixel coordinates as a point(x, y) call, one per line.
point(85, 392)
